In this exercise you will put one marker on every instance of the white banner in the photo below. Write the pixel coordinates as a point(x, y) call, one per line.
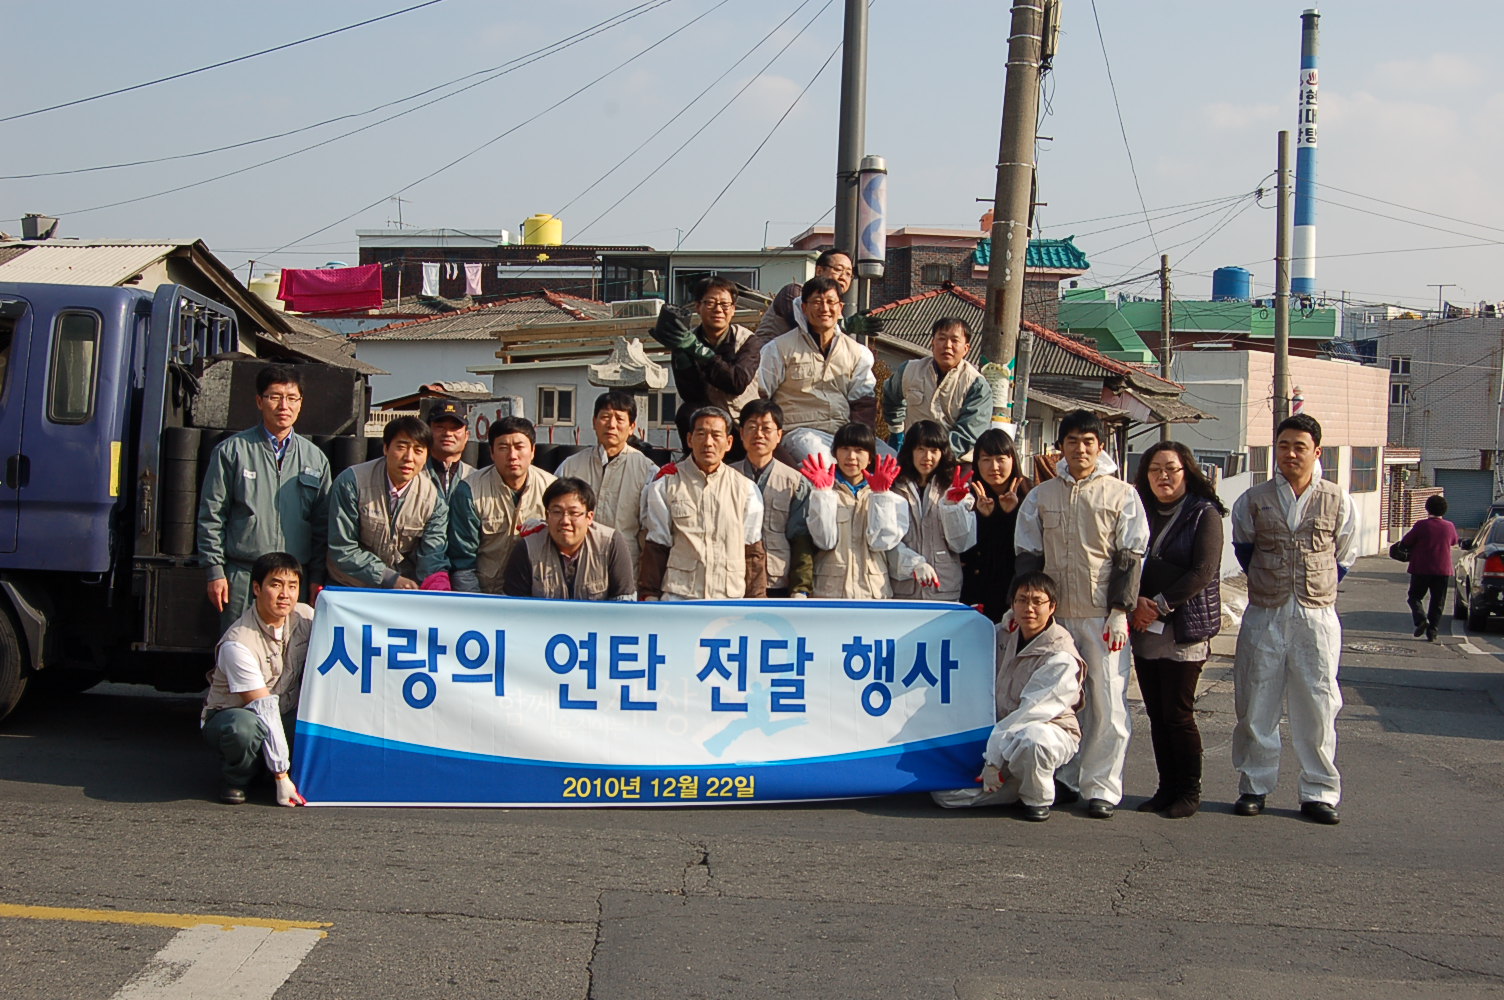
point(424, 698)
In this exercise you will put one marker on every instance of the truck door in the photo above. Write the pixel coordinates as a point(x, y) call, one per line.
point(15, 341)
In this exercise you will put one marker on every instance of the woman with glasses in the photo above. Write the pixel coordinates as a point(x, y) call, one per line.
point(1179, 610)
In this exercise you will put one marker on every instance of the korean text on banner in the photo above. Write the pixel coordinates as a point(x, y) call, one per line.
point(457, 699)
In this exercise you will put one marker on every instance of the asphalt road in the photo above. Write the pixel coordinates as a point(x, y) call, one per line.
point(108, 799)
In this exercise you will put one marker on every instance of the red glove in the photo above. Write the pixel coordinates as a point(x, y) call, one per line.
point(668, 470)
point(821, 475)
point(436, 581)
point(882, 478)
point(959, 484)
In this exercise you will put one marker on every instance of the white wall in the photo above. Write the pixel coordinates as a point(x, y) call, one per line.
point(413, 363)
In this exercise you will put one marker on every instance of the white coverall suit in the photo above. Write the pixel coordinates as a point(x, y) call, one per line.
point(1289, 652)
point(1091, 586)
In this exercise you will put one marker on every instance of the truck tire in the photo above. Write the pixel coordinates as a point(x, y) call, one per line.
point(13, 673)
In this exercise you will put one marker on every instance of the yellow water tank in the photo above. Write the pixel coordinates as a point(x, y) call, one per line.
point(542, 230)
point(265, 288)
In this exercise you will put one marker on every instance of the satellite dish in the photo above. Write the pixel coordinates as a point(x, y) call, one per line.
point(335, 263)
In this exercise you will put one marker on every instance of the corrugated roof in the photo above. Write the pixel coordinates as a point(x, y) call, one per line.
point(90, 264)
point(11, 252)
point(911, 319)
point(485, 321)
point(325, 344)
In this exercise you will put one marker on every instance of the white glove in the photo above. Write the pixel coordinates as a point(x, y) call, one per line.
point(1115, 630)
point(799, 596)
point(287, 793)
point(925, 575)
point(992, 778)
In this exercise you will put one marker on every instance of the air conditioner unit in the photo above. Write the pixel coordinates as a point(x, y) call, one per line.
point(636, 308)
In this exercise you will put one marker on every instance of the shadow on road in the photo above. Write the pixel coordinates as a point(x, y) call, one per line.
point(154, 750)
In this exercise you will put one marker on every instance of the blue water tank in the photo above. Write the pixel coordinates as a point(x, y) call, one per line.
point(1232, 284)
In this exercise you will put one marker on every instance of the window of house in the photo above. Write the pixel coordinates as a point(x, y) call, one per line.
point(661, 408)
point(1364, 477)
point(1331, 463)
point(75, 363)
point(1398, 393)
point(934, 274)
point(556, 405)
point(1399, 364)
point(1258, 463)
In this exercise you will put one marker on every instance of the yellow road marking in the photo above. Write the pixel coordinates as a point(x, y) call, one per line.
point(179, 920)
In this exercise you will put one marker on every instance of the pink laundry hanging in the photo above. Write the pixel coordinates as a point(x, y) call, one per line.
point(472, 279)
point(335, 289)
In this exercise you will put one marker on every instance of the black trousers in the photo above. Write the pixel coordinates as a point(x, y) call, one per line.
point(1420, 585)
point(1169, 690)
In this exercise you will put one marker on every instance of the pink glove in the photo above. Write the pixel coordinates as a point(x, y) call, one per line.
point(668, 470)
point(882, 478)
point(821, 475)
point(958, 486)
point(436, 581)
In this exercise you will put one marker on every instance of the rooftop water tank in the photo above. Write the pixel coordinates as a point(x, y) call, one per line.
point(265, 288)
point(542, 230)
point(1232, 284)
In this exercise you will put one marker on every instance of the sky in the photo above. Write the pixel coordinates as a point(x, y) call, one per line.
point(1412, 128)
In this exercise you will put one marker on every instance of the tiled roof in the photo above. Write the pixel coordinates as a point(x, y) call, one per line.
point(325, 344)
point(483, 322)
point(910, 320)
point(1054, 255)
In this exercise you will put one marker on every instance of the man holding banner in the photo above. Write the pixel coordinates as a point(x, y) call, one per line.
point(490, 509)
point(703, 523)
point(570, 556)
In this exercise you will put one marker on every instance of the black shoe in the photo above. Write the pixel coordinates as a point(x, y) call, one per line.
point(1036, 814)
point(1248, 805)
point(1320, 812)
point(232, 795)
point(1420, 630)
point(1430, 635)
point(1064, 794)
point(1157, 801)
point(1099, 809)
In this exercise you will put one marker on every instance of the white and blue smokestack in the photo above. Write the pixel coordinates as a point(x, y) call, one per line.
point(1303, 256)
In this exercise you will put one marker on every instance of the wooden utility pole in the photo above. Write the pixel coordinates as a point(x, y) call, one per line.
point(851, 136)
point(1282, 239)
point(1165, 347)
point(1015, 181)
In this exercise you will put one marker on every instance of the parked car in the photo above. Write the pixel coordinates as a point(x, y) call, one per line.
point(1480, 575)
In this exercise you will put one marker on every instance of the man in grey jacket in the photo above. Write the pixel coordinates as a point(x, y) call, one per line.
point(266, 490)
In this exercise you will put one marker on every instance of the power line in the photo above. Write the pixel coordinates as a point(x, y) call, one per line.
point(1408, 208)
point(535, 56)
point(1132, 168)
point(552, 48)
point(223, 62)
point(503, 134)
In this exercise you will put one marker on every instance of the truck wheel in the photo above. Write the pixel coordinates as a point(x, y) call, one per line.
point(13, 675)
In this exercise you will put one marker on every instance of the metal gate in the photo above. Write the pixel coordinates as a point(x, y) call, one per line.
point(1468, 493)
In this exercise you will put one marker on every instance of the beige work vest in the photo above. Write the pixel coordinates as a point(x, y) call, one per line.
point(391, 539)
point(281, 661)
point(926, 396)
point(1015, 670)
point(1079, 520)
point(618, 489)
point(708, 558)
point(927, 537)
point(502, 517)
point(719, 397)
point(592, 577)
point(779, 484)
point(1300, 563)
point(851, 569)
point(815, 391)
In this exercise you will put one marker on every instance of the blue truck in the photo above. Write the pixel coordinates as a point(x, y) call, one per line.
point(111, 399)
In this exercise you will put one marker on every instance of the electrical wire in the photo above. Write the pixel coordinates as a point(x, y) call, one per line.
point(1132, 168)
point(558, 46)
point(503, 134)
point(1408, 208)
point(539, 55)
point(221, 63)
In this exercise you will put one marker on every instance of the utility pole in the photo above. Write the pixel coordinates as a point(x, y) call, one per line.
point(1011, 201)
point(1165, 347)
point(1440, 306)
point(1282, 240)
point(852, 133)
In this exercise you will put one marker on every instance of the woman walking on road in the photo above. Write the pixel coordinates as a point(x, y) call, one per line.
point(1179, 610)
point(1430, 543)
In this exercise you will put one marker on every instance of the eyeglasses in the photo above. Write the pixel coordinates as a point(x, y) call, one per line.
point(1031, 602)
point(279, 399)
point(719, 305)
point(1168, 472)
point(560, 514)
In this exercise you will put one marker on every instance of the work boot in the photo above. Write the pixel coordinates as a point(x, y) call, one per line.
point(1188, 798)
point(1161, 798)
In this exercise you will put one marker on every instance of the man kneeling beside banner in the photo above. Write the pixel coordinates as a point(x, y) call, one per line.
point(424, 698)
